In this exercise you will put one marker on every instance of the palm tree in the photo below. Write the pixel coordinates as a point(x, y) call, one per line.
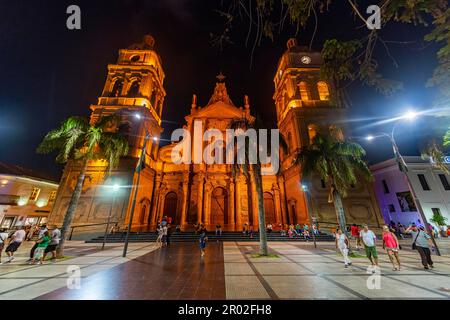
point(79, 141)
point(338, 162)
point(255, 168)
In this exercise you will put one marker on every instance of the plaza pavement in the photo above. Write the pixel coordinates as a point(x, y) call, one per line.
point(228, 271)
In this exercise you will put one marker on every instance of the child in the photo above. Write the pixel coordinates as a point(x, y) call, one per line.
point(202, 241)
point(41, 246)
point(160, 235)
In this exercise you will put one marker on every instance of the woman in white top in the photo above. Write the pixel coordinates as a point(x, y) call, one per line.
point(342, 245)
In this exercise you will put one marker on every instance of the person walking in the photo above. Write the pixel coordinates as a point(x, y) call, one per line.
point(368, 238)
point(218, 230)
point(250, 231)
point(54, 242)
point(40, 249)
point(160, 233)
point(164, 234)
point(202, 240)
point(42, 230)
point(355, 235)
point(342, 244)
point(422, 243)
point(3, 237)
point(390, 243)
point(168, 234)
point(16, 240)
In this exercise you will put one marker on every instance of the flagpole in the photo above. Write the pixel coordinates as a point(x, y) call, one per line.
point(133, 206)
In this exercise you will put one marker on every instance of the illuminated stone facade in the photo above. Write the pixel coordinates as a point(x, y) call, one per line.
point(192, 193)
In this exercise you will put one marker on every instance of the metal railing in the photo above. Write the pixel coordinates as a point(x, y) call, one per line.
point(88, 225)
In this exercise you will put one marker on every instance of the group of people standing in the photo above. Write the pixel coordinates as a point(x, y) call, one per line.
point(47, 242)
point(366, 238)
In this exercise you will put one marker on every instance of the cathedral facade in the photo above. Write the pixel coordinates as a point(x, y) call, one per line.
point(207, 193)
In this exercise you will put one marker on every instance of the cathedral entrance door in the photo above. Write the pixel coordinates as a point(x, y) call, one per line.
point(219, 207)
point(170, 206)
point(269, 208)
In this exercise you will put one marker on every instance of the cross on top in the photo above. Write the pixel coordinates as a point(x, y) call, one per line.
point(221, 77)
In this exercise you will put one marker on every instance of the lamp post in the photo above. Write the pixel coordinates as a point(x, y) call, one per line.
point(138, 171)
point(404, 168)
point(309, 209)
point(114, 188)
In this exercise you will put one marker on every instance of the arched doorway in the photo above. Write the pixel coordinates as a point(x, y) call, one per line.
point(219, 207)
point(269, 208)
point(170, 206)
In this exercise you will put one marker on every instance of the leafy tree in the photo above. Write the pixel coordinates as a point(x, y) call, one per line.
point(438, 219)
point(268, 18)
point(447, 139)
point(78, 141)
point(339, 162)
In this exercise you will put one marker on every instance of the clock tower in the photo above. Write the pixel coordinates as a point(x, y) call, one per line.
point(303, 106)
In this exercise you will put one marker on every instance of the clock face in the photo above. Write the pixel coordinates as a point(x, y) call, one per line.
point(306, 60)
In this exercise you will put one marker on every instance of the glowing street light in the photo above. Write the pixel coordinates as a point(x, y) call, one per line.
point(114, 188)
point(137, 172)
point(410, 116)
point(137, 116)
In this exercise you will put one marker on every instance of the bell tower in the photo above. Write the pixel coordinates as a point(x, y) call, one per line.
point(134, 89)
point(303, 106)
point(302, 98)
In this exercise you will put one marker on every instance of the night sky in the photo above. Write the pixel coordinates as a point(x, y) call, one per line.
point(49, 73)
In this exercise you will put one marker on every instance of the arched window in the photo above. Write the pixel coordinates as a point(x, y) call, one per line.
point(143, 212)
point(134, 88)
point(312, 131)
point(322, 88)
point(304, 91)
point(117, 88)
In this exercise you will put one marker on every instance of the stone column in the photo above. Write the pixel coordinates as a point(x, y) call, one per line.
point(231, 221)
point(155, 199)
point(284, 210)
point(276, 193)
point(185, 199)
point(239, 184)
point(206, 205)
point(201, 181)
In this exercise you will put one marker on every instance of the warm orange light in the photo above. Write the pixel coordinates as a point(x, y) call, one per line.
point(304, 91)
point(322, 88)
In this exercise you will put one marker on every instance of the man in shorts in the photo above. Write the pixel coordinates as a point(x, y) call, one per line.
point(16, 240)
point(54, 242)
point(368, 239)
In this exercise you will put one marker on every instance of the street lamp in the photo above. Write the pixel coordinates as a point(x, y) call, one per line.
point(114, 188)
point(309, 209)
point(410, 115)
point(137, 170)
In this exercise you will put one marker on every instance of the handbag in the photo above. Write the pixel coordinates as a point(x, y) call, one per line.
point(414, 247)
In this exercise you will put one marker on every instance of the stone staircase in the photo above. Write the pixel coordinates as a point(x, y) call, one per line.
point(192, 237)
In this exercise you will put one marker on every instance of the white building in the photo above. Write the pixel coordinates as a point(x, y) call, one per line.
point(430, 184)
point(26, 197)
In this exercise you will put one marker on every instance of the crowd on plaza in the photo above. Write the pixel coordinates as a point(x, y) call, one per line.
point(45, 241)
point(365, 238)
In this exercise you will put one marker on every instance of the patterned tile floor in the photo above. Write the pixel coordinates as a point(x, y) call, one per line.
point(228, 271)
